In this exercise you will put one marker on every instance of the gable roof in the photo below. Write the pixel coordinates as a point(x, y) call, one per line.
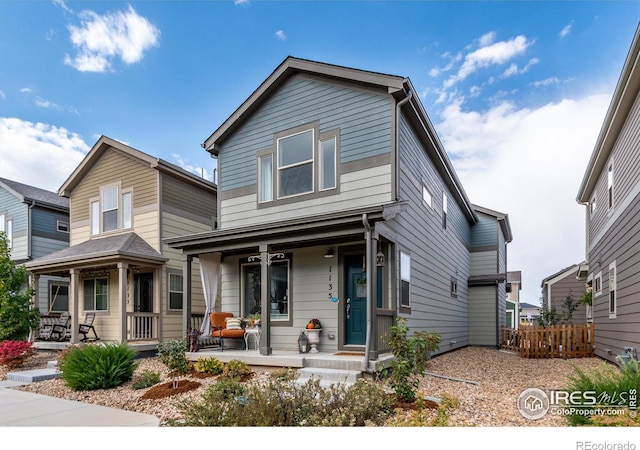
point(529, 306)
point(127, 245)
point(623, 99)
point(32, 194)
point(399, 87)
point(502, 218)
point(572, 269)
point(105, 143)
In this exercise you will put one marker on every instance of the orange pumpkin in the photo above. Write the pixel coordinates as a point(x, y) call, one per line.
point(310, 326)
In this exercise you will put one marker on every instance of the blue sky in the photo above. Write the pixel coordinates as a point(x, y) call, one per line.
point(517, 91)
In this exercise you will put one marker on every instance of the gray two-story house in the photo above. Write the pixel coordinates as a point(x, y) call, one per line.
point(337, 201)
point(558, 287)
point(36, 223)
point(610, 191)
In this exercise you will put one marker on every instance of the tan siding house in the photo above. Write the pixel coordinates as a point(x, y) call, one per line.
point(123, 204)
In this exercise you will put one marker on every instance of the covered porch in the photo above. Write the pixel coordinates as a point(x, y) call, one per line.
point(119, 278)
point(339, 268)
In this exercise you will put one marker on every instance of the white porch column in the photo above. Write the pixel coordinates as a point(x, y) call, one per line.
point(122, 299)
point(157, 299)
point(74, 303)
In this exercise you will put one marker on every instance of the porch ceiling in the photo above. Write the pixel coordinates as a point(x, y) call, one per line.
point(325, 229)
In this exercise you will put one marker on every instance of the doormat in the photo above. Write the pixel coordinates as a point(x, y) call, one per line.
point(349, 354)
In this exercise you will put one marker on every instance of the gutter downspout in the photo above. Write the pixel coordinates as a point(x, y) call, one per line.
point(33, 203)
point(397, 143)
point(369, 274)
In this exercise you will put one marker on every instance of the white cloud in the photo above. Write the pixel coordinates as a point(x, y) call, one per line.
point(546, 82)
point(101, 39)
point(487, 39)
point(38, 154)
point(25, 90)
point(2, 95)
point(488, 55)
point(186, 165)
point(566, 30)
point(241, 2)
point(528, 163)
point(281, 35)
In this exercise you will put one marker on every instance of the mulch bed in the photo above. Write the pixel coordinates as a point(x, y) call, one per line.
point(166, 389)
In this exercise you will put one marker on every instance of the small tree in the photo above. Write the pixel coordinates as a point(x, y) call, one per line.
point(410, 355)
point(172, 354)
point(17, 317)
point(569, 306)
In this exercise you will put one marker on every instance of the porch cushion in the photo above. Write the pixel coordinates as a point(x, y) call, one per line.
point(234, 323)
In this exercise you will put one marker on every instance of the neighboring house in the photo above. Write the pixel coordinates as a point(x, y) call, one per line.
point(562, 284)
point(514, 286)
point(36, 223)
point(123, 203)
point(529, 313)
point(337, 201)
point(610, 190)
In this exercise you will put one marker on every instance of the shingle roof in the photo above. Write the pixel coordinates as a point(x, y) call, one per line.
point(127, 245)
point(32, 193)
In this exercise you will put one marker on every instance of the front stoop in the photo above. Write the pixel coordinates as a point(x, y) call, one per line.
point(328, 377)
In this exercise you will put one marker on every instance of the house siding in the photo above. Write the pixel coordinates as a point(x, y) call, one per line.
point(113, 167)
point(482, 316)
point(16, 211)
point(437, 253)
point(619, 244)
point(363, 118)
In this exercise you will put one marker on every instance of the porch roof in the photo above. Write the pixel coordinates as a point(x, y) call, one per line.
point(322, 229)
point(99, 251)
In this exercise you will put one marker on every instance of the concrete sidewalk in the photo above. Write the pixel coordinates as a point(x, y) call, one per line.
point(26, 409)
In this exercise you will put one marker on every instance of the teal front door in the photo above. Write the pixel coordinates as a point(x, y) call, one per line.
point(355, 305)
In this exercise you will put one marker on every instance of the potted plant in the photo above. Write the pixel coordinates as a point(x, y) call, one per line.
point(587, 300)
point(313, 334)
point(254, 320)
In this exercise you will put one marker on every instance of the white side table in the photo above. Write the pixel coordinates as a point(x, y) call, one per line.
point(255, 332)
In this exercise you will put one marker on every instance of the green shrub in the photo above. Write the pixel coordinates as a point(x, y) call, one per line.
point(410, 355)
point(611, 385)
point(90, 367)
point(236, 369)
point(173, 355)
point(280, 402)
point(209, 365)
point(146, 379)
point(15, 353)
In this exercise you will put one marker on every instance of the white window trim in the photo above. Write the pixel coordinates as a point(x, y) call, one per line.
point(610, 185)
point(427, 196)
point(405, 278)
point(100, 213)
point(60, 225)
point(321, 163)
point(9, 232)
point(94, 309)
point(121, 217)
point(260, 171)
point(598, 284)
point(311, 161)
point(613, 288)
point(170, 291)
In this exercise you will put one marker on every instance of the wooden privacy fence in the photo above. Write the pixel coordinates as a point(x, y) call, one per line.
point(559, 341)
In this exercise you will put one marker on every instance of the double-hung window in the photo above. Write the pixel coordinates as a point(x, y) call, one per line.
point(58, 297)
point(445, 208)
point(175, 291)
point(610, 185)
point(301, 163)
point(96, 294)
point(111, 211)
point(613, 300)
point(295, 164)
point(405, 279)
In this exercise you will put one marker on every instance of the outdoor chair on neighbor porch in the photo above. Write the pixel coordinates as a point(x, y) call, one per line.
point(87, 326)
point(225, 326)
point(56, 330)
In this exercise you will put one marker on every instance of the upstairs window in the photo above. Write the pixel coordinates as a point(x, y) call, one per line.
point(295, 164)
point(62, 227)
point(301, 163)
point(610, 185)
point(597, 284)
point(444, 210)
point(112, 211)
point(426, 196)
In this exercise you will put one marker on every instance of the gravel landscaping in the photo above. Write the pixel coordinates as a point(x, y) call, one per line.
point(495, 380)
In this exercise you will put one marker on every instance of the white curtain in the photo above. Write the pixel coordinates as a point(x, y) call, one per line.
point(210, 273)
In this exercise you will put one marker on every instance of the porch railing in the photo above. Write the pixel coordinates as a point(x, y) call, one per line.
point(142, 326)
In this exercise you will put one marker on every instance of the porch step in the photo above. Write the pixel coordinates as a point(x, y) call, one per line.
point(328, 376)
point(33, 376)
